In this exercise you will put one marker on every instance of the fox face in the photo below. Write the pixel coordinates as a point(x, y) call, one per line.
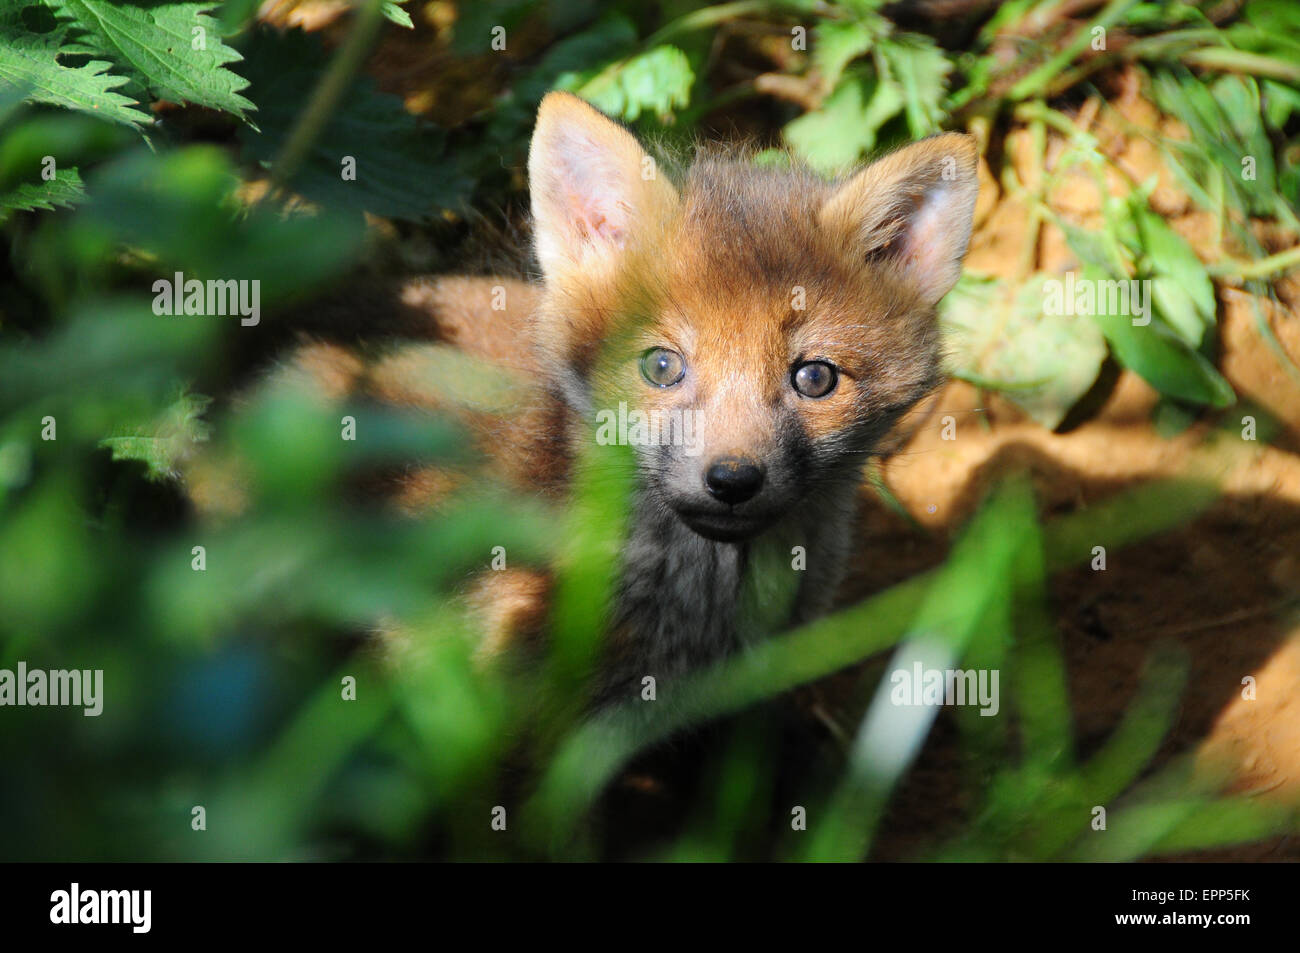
point(765, 328)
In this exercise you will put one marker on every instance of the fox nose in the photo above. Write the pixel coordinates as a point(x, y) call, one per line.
point(733, 480)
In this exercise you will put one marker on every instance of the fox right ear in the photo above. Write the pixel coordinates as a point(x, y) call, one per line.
point(912, 211)
point(591, 184)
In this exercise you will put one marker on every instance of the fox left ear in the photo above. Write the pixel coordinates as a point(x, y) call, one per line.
point(913, 209)
point(592, 185)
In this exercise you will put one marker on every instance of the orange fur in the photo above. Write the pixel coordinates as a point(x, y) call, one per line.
point(746, 275)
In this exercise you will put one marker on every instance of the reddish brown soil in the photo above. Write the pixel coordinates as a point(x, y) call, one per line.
point(1224, 588)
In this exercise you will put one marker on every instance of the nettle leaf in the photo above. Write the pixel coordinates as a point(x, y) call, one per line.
point(1001, 337)
point(30, 60)
point(657, 81)
point(845, 126)
point(401, 166)
point(164, 443)
point(567, 65)
point(174, 49)
point(836, 43)
point(51, 141)
point(921, 70)
point(1160, 357)
point(63, 191)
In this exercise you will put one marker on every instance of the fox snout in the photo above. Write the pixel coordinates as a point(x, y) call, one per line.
point(733, 480)
point(731, 507)
point(729, 495)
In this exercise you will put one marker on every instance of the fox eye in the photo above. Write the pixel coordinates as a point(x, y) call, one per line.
point(662, 367)
point(815, 378)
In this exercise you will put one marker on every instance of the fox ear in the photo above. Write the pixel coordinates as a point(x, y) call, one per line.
point(591, 184)
point(913, 209)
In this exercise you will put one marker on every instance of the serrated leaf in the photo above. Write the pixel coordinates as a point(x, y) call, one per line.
point(1002, 336)
point(845, 126)
point(921, 70)
point(174, 48)
point(29, 60)
point(164, 442)
point(567, 65)
point(836, 43)
point(55, 139)
point(657, 81)
point(63, 191)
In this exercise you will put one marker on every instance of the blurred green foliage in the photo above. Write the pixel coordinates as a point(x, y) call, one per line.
point(225, 684)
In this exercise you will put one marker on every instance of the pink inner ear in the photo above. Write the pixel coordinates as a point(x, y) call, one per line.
point(932, 243)
point(593, 205)
point(924, 233)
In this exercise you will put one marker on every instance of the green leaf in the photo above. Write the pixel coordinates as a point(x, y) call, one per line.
point(1226, 138)
point(1160, 358)
point(29, 60)
point(163, 443)
point(402, 169)
point(657, 81)
point(772, 159)
point(174, 49)
point(396, 14)
point(1183, 292)
point(1088, 245)
point(1280, 102)
point(837, 134)
point(921, 69)
point(179, 209)
point(1002, 336)
point(836, 43)
point(566, 65)
point(62, 191)
point(55, 139)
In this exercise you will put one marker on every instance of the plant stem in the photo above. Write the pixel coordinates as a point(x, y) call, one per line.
point(1037, 80)
point(1257, 269)
point(1240, 61)
point(325, 97)
point(707, 17)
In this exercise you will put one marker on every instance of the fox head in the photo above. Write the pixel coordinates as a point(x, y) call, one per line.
point(764, 328)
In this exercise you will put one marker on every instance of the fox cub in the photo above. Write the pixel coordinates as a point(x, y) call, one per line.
point(770, 326)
